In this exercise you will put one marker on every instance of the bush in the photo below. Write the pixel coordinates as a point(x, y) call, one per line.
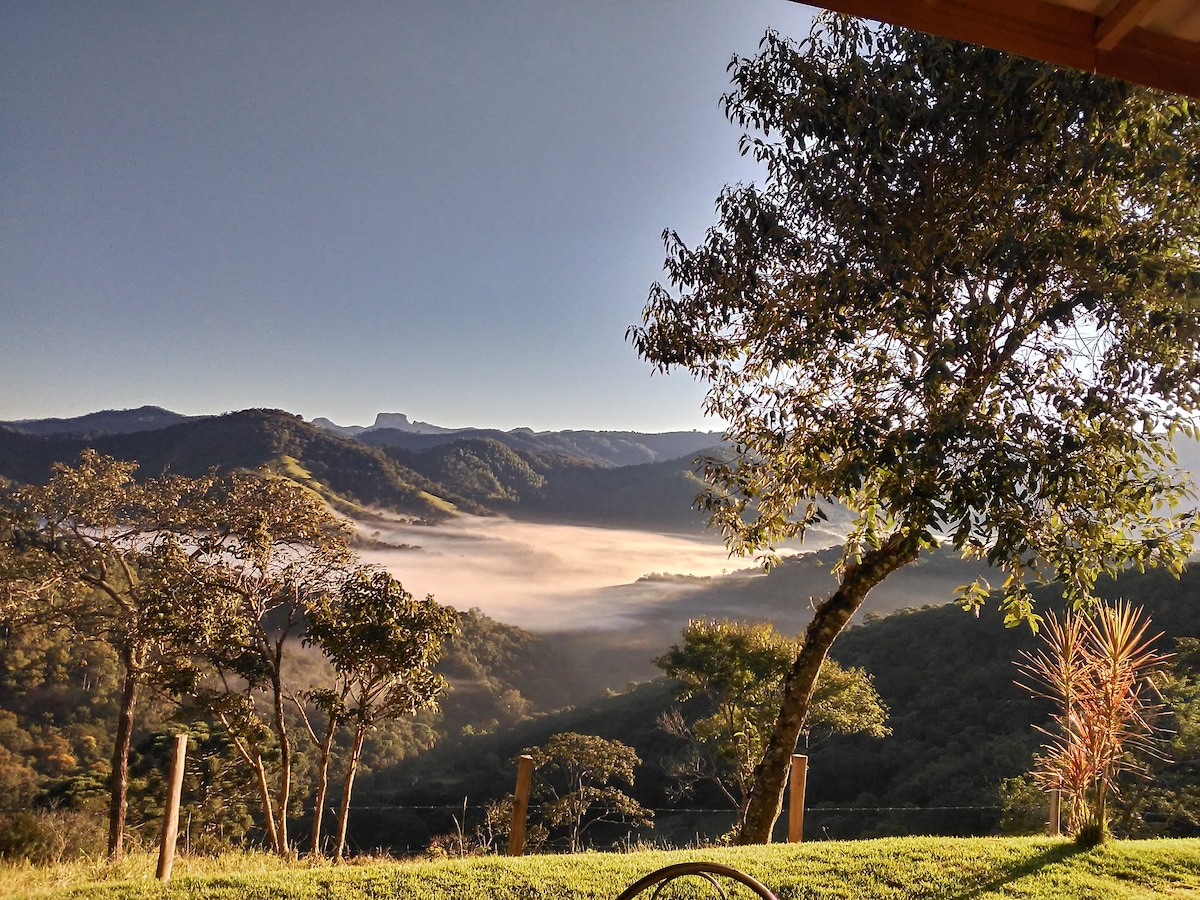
point(49, 836)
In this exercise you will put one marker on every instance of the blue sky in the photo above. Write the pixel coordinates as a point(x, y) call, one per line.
point(447, 209)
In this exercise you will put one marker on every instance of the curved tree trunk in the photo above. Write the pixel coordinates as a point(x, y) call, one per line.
point(119, 803)
point(770, 776)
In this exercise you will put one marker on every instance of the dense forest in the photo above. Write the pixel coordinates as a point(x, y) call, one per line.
point(961, 729)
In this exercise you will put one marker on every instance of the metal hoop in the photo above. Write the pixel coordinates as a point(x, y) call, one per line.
point(706, 870)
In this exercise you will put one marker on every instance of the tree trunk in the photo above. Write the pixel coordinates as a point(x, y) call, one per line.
point(119, 803)
point(264, 796)
point(322, 787)
point(283, 797)
point(360, 732)
point(831, 617)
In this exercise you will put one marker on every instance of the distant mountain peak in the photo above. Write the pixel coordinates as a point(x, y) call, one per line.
point(383, 420)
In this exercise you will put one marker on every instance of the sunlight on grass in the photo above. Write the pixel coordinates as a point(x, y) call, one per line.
point(1035, 868)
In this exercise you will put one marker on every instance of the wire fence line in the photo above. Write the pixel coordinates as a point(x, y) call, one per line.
point(451, 807)
point(416, 827)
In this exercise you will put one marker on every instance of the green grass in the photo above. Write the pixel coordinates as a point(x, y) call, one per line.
point(962, 869)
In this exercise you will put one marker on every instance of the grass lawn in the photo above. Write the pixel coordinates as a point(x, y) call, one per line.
point(927, 867)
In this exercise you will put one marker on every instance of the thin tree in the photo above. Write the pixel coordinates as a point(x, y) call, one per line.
point(383, 644)
point(962, 302)
point(278, 549)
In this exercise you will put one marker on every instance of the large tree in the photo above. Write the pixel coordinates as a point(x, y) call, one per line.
point(91, 553)
point(962, 302)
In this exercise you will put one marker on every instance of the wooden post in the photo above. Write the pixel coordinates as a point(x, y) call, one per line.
point(1055, 812)
point(166, 852)
point(796, 784)
point(516, 831)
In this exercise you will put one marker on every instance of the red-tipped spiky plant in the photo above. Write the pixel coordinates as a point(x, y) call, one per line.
point(1097, 667)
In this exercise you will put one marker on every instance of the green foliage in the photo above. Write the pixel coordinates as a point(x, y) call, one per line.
point(1025, 806)
point(738, 669)
point(95, 553)
point(383, 643)
point(574, 773)
point(1164, 799)
point(961, 303)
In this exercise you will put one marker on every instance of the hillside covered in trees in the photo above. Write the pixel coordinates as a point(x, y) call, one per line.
point(961, 729)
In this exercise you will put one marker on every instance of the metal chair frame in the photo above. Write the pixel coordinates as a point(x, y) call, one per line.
point(709, 871)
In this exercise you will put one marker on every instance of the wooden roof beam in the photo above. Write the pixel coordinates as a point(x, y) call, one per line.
point(1047, 31)
point(1127, 15)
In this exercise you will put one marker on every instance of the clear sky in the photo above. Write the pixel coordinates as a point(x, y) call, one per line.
point(447, 209)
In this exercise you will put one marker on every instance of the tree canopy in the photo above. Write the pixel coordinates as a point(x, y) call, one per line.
point(738, 668)
point(963, 302)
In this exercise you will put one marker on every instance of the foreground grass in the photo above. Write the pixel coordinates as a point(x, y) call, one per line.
point(975, 868)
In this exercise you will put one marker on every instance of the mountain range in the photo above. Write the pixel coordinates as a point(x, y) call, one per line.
point(613, 478)
point(415, 469)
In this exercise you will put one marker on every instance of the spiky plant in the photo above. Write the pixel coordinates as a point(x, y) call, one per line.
point(1098, 668)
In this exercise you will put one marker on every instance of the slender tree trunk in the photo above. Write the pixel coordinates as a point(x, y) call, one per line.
point(119, 803)
point(264, 796)
point(322, 787)
point(770, 776)
point(360, 732)
point(285, 761)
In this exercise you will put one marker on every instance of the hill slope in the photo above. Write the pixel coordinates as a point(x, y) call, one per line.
point(960, 724)
point(348, 473)
point(607, 448)
point(110, 421)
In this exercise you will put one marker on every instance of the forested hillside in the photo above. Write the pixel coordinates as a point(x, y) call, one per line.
point(348, 473)
point(58, 709)
point(603, 448)
point(960, 728)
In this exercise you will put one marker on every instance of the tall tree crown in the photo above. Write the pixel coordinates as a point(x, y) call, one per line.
point(963, 301)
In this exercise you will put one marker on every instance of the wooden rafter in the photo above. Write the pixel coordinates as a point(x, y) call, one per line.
point(1113, 45)
point(1127, 15)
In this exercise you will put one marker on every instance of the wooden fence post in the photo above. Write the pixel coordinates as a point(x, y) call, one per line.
point(516, 831)
point(166, 852)
point(796, 785)
point(1055, 824)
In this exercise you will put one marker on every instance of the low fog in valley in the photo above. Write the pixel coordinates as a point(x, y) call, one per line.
point(546, 577)
point(617, 598)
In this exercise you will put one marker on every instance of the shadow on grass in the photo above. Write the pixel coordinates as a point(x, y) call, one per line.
point(1048, 857)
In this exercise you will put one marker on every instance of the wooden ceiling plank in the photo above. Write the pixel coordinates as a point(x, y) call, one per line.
point(1127, 15)
point(1158, 60)
point(1027, 27)
point(1046, 31)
